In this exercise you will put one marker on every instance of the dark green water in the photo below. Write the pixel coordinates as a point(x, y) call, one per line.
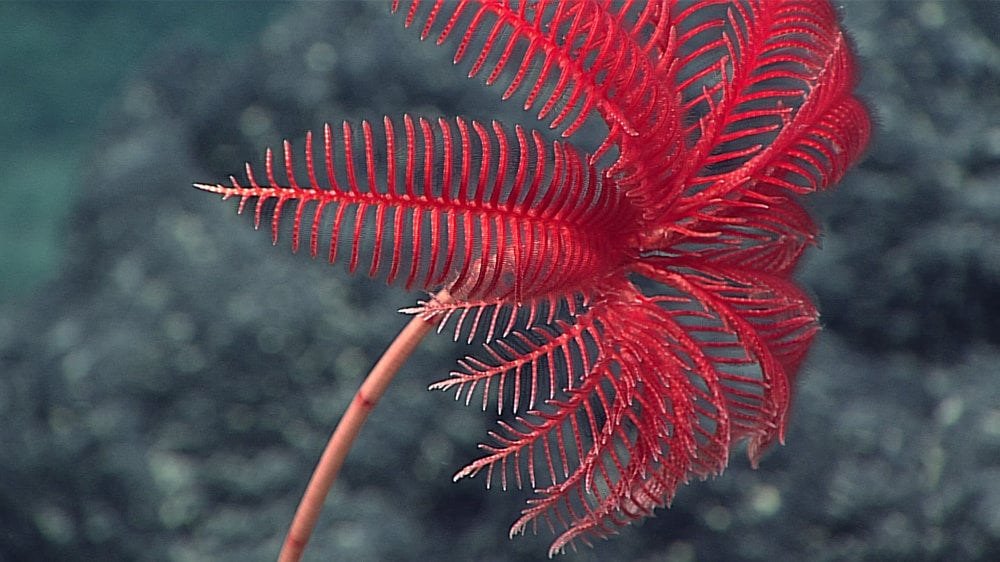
point(63, 63)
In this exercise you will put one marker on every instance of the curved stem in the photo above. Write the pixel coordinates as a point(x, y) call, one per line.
point(332, 460)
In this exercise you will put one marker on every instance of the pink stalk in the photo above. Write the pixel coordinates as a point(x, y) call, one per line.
point(343, 437)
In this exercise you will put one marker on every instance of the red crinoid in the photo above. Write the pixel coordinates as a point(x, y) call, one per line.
point(636, 303)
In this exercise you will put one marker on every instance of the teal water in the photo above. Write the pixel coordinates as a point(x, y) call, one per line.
point(62, 65)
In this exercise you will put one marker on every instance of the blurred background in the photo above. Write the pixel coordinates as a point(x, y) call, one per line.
point(66, 63)
point(168, 379)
